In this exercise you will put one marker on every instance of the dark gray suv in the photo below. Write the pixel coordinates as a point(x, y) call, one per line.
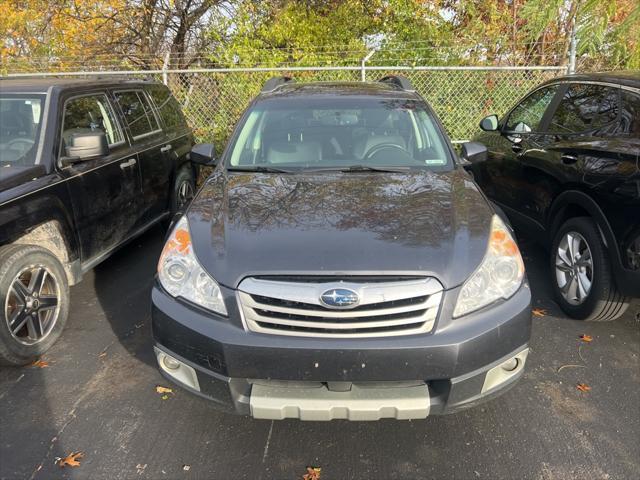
point(340, 263)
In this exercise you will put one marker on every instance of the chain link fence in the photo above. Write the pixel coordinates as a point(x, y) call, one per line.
point(214, 99)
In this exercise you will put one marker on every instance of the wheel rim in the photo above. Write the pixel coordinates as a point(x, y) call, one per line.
point(574, 268)
point(32, 306)
point(185, 193)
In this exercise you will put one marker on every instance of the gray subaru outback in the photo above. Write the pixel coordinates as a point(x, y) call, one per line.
point(340, 263)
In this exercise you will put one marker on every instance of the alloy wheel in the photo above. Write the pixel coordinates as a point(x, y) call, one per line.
point(185, 193)
point(32, 305)
point(574, 268)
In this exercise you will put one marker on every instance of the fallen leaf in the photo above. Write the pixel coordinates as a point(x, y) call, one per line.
point(164, 397)
point(186, 468)
point(539, 312)
point(586, 338)
point(161, 389)
point(40, 364)
point(313, 473)
point(583, 387)
point(71, 460)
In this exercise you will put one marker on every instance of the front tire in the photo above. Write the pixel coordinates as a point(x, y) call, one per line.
point(582, 281)
point(34, 302)
point(184, 188)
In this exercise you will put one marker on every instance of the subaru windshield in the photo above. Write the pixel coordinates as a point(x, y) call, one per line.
point(20, 120)
point(346, 134)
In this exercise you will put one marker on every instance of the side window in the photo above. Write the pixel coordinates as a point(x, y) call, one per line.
point(527, 116)
point(630, 118)
point(137, 112)
point(89, 114)
point(585, 107)
point(167, 106)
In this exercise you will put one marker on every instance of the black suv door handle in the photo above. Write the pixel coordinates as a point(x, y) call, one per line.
point(568, 159)
point(516, 147)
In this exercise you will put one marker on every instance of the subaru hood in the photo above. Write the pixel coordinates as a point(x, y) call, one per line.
point(333, 223)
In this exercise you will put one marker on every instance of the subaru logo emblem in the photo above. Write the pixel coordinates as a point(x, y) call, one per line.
point(340, 298)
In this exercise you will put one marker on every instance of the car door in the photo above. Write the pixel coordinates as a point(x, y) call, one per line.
point(576, 137)
point(501, 175)
point(104, 190)
point(178, 143)
point(151, 147)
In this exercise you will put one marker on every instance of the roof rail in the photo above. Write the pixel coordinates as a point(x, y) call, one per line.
point(275, 82)
point(399, 81)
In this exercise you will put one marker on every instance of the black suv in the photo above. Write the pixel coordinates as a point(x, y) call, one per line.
point(564, 164)
point(85, 166)
point(340, 263)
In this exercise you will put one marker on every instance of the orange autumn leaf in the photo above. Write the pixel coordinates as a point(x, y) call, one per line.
point(539, 312)
point(313, 473)
point(583, 387)
point(586, 338)
point(40, 364)
point(71, 460)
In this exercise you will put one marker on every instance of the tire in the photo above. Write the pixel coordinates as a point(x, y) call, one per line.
point(43, 312)
point(184, 181)
point(578, 254)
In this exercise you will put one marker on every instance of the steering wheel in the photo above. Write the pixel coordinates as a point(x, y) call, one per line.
point(381, 146)
point(29, 143)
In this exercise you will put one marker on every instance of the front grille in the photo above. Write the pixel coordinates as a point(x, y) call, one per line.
point(284, 307)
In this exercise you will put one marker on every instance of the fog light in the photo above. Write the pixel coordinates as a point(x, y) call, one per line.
point(510, 365)
point(177, 370)
point(504, 371)
point(170, 363)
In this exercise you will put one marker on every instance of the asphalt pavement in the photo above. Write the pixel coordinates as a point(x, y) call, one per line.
point(97, 395)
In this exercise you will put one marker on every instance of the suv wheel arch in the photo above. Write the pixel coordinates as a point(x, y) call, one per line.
point(574, 203)
point(50, 236)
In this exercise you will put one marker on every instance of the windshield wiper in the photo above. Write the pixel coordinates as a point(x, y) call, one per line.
point(369, 168)
point(260, 168)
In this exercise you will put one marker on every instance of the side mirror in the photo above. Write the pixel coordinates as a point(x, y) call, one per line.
point(473, 152)
point(81, 146)
point(489, 124)
point(203, 154)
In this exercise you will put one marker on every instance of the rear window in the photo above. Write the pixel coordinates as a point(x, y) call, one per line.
point(168, 107)
point(137, 112)
point(630, 118)
point(585, 107)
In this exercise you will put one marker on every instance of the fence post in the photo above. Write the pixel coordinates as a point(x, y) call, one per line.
point(165, 67)
point(363, 74)
point(572, 48)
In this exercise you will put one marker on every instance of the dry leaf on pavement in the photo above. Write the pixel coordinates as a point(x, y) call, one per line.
point(583, 387)
point(71, 460)
point(313, 473)
point(161, 389)
point(40, 364)
point(539, 312)
point(586, 338)
point(186, 468)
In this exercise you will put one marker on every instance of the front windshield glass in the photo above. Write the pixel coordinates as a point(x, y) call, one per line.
point(20, 120)
point(319, 133)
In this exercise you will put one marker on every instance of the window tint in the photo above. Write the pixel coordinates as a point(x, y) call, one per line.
point(137, 112)
point(585, 107)
point(630, 118)
point(167, 106)
point(90, 114)
point(526, 117)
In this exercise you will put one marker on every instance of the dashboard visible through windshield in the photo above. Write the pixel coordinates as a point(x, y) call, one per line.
point(20, 122)
point(320, 133)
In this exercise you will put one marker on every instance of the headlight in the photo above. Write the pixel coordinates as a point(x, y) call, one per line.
point(499, 275)
point(182, 276)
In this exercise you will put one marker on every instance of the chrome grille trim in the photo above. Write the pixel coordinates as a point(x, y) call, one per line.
point(294, 308)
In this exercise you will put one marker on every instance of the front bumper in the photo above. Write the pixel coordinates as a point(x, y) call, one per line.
point(448, 370)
